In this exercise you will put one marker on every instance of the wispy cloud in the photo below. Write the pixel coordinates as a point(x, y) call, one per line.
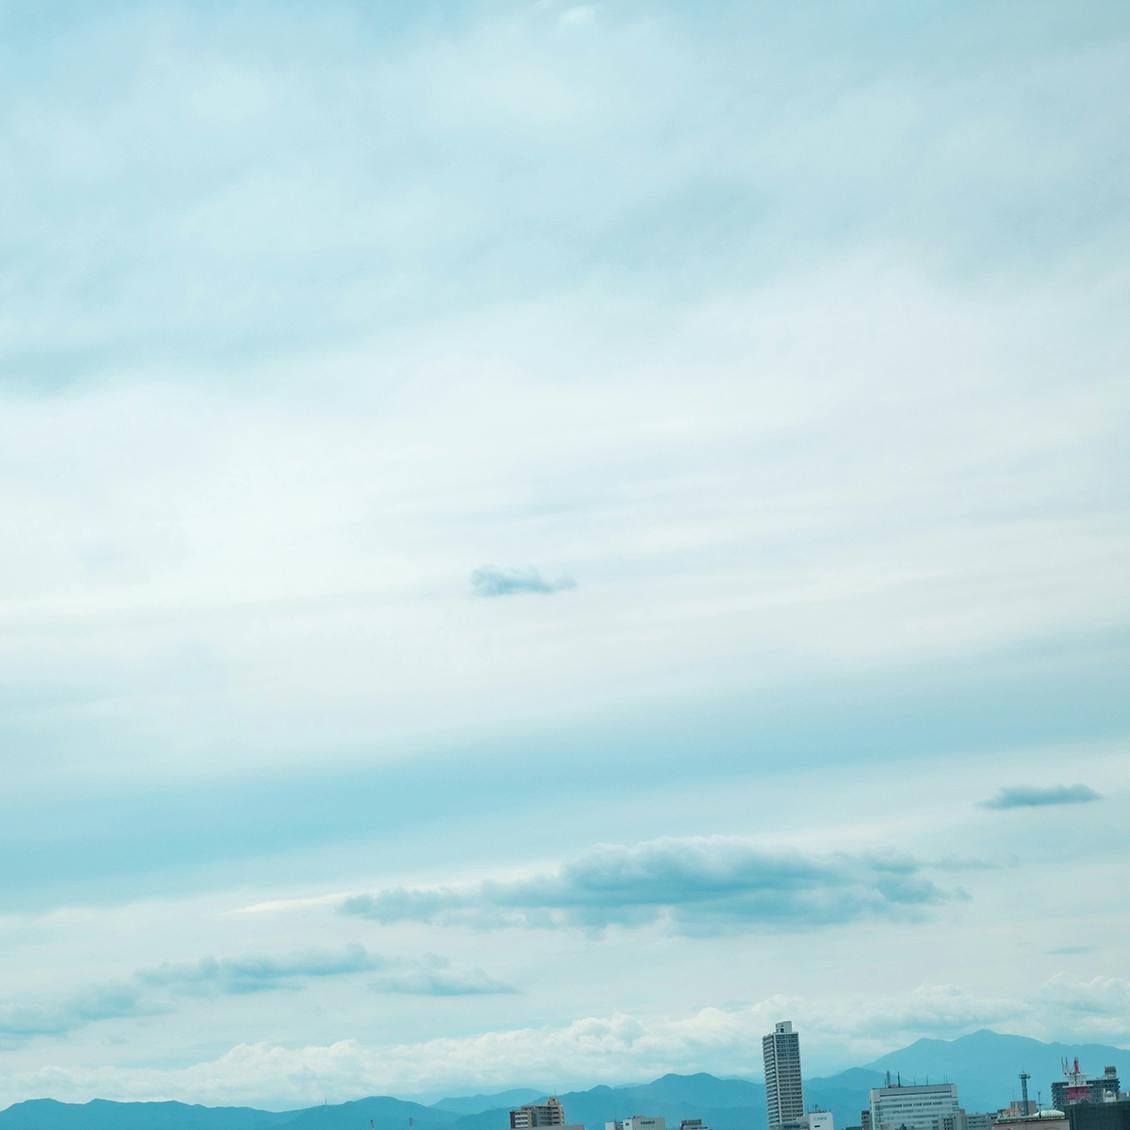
point(156, 989)
point(698, 884)
point(1030, 796)
point(256, 974)
point(23, 1020)
point(489, 580)
point(434, 977)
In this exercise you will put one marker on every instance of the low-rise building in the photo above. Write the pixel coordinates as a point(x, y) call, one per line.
point(1041, 1120)
point(639, 1122)
point(1114, 1114)
point(535, 1116)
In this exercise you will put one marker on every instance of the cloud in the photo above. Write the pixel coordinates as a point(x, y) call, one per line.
point(609, 1048)
point(23, 1020)
point(697, 884)
point(1106, 997)
point(492, 581)
point(1031, 796)
point(434, 977)
point(156, 989)
point(256, 974)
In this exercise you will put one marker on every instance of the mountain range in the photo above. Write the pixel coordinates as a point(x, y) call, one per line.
point(985, 1066)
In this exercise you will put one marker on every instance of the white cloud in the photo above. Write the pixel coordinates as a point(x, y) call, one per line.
point(611, 1049)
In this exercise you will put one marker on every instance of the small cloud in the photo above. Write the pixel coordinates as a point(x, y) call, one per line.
point(489, 580)
point(256, 974)
point(1027, 796)
point(1070, 951)
point(436, 981)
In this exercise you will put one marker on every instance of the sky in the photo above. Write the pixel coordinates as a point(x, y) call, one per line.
point(541, 539)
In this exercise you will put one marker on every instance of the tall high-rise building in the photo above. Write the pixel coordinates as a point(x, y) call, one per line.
point(784, 1094)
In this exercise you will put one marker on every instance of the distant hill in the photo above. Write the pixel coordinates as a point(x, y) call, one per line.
point(383, 1112)
point(725, 1104)
point(845, 1095)
point(985, 1066)
point(476, 1104)
point(101, 1114)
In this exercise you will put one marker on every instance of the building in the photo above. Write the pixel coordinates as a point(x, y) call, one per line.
point(784, 1093)
point(1076, 1087)
point(1114, 1114)
point(983, 1121)
point(641, 1122)
point(927, 1106)
point(813, 1120)
point(1041, 1120)
point(534, 1115)
point(692, 1124)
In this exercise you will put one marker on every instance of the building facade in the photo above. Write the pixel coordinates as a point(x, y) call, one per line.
point(534, 1115)
point(1110, 1115)
point(1079, 1088)
point(930, 1106)
point(640, 1122)
point(784, 1092)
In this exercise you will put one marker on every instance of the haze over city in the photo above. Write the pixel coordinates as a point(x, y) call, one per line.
point(542, 540)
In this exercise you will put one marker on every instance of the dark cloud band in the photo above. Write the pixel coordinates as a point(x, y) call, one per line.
point(699, 885)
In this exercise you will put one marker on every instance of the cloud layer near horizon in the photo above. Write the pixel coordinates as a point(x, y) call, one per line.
point(608, 1048)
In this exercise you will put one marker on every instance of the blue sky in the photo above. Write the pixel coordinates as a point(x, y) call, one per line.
point(544, 538)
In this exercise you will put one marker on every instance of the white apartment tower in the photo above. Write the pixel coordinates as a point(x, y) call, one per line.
point(784, 1095)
